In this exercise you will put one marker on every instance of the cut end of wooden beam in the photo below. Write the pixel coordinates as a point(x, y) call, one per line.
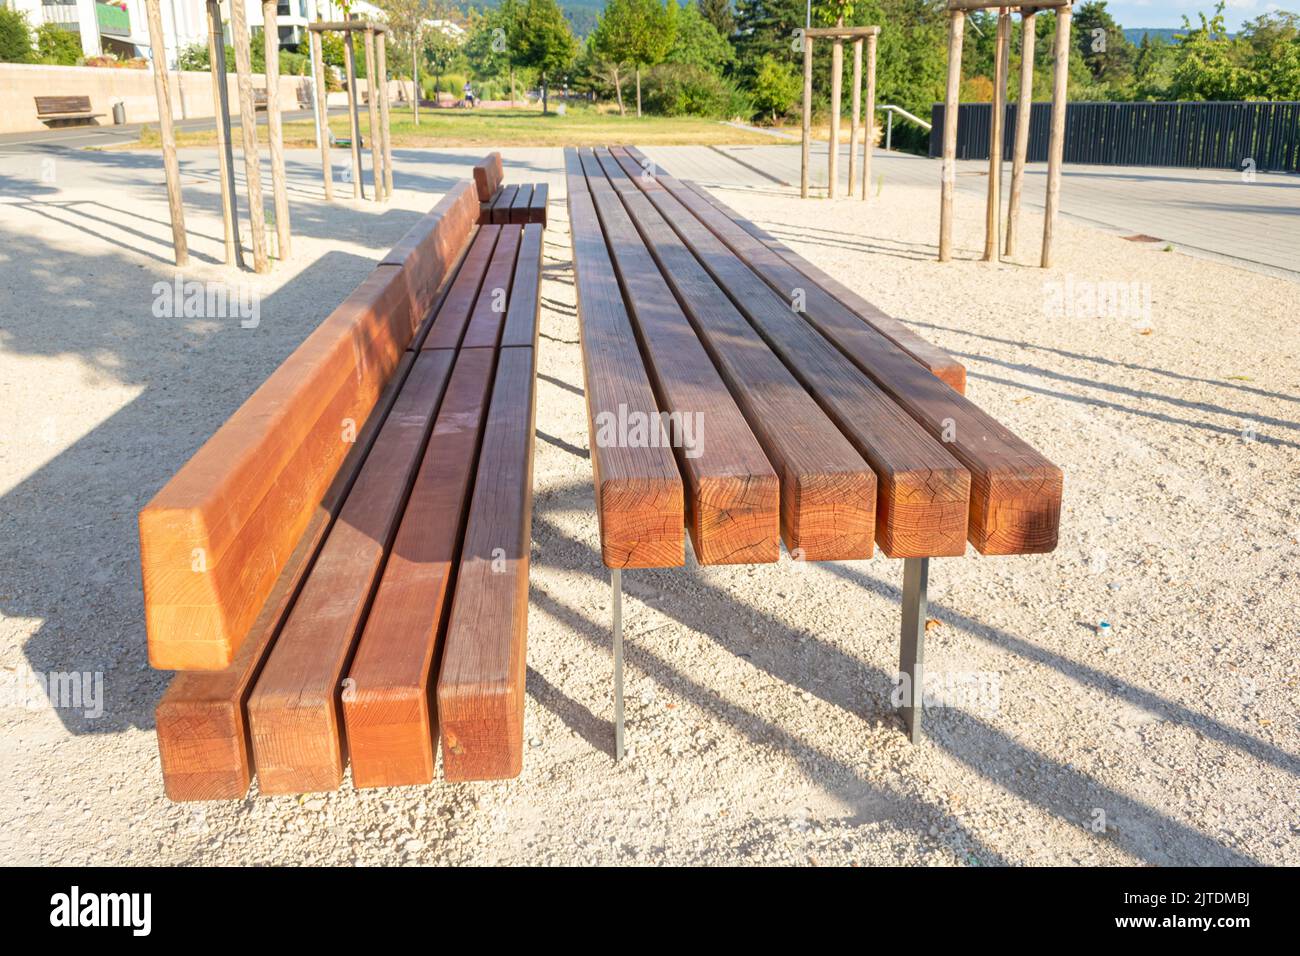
point(644, 522)
point(201, 745)
point(925, 514)
point(295, 743)
point(829, 516)
point(1022, 514)
point(737, 520)
point(481, 726)
point(390, 734)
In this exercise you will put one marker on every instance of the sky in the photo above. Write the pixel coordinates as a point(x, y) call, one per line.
point(1169, 13)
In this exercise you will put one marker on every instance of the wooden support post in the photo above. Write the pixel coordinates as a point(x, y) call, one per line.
point(171, 166)
point(381, 68)
point(248, 125)
point(225, 152)
point(997, 120)
point(376, 147)
point(1024, 110)
point(807, 114)
point(354, 118)
point(322, 112)
point(415, 77)
point(833, 150)
point(869, 117)
point(956, 27)
point(855, 125)
point(1056, 140)
point(274, 128)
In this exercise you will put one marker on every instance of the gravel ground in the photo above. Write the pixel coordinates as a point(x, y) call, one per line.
point(758, 713)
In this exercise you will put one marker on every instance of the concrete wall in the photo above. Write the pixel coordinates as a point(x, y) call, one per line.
point(20, 83)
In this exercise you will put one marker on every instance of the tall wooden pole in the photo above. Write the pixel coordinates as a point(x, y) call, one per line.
point(856, 108)
point(248, 125)
point(350, 66)
point(807, 114)
point(322, 112)
point(274, 128)
point(1024, 110)
point(171, 165)
point(381, 68)
point(1056, 140)
point(837, 83)
point(415, 76)
point(956, 27)
point(869, 117)
point(997, 120)
point(376, 146)
point(225, 153)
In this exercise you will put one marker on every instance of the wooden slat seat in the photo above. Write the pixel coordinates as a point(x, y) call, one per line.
point(448, 326)
point(1015, 499)
point(50, 108)
point(500, 211)
point(485, 322)
point(733, 496)
point(537, 205)
point(639, 498)
point(501, 204)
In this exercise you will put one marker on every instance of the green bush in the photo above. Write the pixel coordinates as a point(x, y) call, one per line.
point(57, 46)
point(684, 89)
point(776, 88)
point(15, 37)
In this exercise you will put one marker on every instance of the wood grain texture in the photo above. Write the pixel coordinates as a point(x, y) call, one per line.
point(480, 688)
point(201, 722)
point(502, 203)
point(639, 496)
point(388, 705)
point(942, 365)
point(215, 538)
point(828, 493)
point(489, 315)
point(538, 205)
point(453, 315)
point(444, 290)
point(1015, 501)
point(294, 711)
point(922, 493)
point(429, 251)
point(488, 175)
point(524, 315)
point(519, 207)
point(733, 495)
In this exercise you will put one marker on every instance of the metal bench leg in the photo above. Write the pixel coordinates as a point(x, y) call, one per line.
point(616, 602)
point(911, 662)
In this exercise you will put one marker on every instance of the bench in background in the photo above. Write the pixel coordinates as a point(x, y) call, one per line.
point(501, 204)
point(52, 109)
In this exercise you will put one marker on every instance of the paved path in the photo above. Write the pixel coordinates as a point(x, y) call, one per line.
point(80, 137)
point(1206, 211)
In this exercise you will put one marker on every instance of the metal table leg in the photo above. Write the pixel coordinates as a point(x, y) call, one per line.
point(616, 588)
point(911, 663)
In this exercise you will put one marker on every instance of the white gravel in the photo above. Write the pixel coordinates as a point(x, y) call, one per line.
point(758, 709)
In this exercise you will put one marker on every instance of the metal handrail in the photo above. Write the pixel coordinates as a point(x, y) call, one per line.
point(890, 110)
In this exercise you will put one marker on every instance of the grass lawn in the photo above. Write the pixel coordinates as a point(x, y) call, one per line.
point(504, 127)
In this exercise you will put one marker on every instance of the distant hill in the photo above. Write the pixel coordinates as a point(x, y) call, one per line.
point(581, 14)
point(1134, 34)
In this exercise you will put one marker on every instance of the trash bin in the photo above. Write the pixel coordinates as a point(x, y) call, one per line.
point(119, 113)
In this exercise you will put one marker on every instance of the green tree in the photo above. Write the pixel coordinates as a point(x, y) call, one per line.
point(776, 88)
point(15, 37)
point(1210, 65)
point(57, 46)
point(720, 15)
point(1274, 43)
point(543, 41)
point(406, 17)
point(698, 42)
point(1106, 52)
point(768, 28)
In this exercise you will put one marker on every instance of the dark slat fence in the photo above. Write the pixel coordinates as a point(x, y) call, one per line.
point(1198, 135)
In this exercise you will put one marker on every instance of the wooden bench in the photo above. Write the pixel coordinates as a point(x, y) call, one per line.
point(52, 109)
point(502, 204)
point(364, 526)
point(864, 424)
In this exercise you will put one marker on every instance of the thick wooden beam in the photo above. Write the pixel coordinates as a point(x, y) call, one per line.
point(489, 315)
point(275, 129)
point(525, 292)
point(171, 166)
point(855, 124)
point(807, 115)
point(639, 499)
point(1056, 138)
point(843, 33)
point(454, 314)
point(431, 250)
point(828, 493)
point(248, 127)
point(948, 182)
point(1024, 112)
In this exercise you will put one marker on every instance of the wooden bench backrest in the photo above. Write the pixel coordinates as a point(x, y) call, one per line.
point(62, 104)
point(429, 251)
point(214, 540)
point(488, 176)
